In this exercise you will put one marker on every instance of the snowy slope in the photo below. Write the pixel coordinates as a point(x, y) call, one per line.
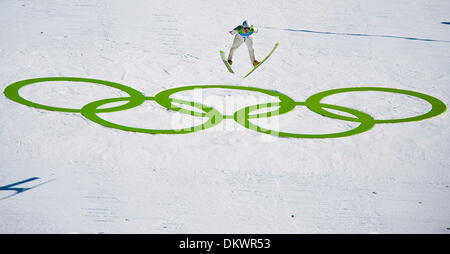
point(393, 178)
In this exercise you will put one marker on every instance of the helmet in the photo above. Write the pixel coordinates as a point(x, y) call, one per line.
point(245, 24)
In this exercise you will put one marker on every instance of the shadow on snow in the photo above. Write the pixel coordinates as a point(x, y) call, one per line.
point(358, 34)
point(19, 190)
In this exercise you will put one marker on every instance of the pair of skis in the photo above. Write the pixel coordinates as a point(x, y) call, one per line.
point(222, 54)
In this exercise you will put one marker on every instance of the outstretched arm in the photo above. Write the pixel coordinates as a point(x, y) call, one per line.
point(235, 30)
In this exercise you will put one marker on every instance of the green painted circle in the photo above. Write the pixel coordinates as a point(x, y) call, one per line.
point(242, 116)
point(12, 92)
point(367, 122)
point(90, 112)
point(286, 102)
point(314, 104)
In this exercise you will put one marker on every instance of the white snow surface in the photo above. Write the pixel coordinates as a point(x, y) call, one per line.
point(393, 178)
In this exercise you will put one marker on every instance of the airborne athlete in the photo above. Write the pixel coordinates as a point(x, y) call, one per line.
point(243, 33)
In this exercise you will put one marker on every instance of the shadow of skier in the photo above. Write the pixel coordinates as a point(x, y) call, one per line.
point(20, 190)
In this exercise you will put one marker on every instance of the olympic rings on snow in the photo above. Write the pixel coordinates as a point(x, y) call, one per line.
point(90, 112)
point(12, 92)
point(367, 122)
point(241, 116)
point(437, 106)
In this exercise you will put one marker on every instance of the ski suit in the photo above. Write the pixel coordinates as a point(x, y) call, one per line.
point(241, 37)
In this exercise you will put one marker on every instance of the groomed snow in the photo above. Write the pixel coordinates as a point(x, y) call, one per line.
point(393, 178)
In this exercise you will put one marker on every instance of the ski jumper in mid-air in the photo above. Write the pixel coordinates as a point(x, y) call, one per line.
point(243, 33)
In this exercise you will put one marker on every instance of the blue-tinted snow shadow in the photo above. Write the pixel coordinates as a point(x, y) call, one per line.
point(356, 34)
point(20, 190)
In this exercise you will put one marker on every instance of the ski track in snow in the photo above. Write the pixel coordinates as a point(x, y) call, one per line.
point(91, 179)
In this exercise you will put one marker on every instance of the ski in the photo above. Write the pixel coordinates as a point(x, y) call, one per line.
point(224, 59)
point(270, 53)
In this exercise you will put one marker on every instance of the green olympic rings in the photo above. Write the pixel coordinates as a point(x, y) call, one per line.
point(286, 103)
point(437, 106)
point(241, 116)
point(89, 111)
point(12, 92)
point(367, 122)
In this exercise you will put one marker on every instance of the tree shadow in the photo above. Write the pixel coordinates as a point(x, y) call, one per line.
point(20, 190)
point(358, 34)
